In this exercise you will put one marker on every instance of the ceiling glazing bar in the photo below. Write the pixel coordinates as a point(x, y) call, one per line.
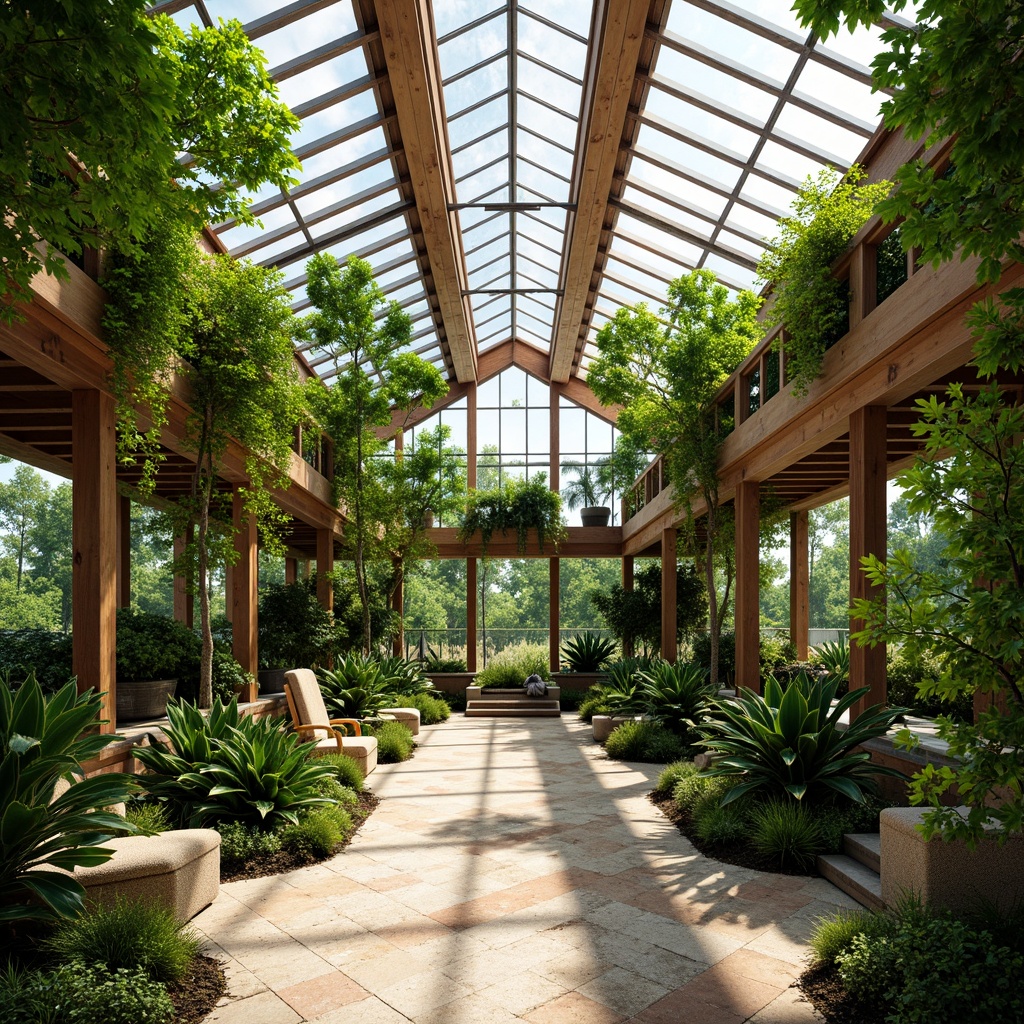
point(469, 26)
point(541, 20)
point(511, 207)
point(512, 291)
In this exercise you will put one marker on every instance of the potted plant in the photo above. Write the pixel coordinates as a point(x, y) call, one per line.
point(295, 631)
point(586, 492)
point(153, 653)
point(519, 505)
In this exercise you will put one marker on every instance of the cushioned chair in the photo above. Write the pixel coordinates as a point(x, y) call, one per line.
point(310, 720)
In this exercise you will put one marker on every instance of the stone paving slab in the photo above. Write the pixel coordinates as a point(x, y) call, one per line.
point(513, 873)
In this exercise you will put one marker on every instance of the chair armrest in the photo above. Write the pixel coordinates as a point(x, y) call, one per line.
point(358, 729)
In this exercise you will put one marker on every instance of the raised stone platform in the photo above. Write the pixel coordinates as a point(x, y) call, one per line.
point(495, 703)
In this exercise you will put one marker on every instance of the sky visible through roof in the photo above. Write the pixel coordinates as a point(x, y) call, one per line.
point(739, 105)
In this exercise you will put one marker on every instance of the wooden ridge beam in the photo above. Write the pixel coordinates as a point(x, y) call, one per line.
point(407, 36)
point(620, 26)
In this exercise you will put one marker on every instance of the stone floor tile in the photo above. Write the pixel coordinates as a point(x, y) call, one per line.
point(471, 1009)
point(679, 1007)
point(574, 1008)
point(624, 991)
point(264, 1008)
point(790, 1007)
point(366, 1011)
point(418, 994)
point(521, 991)
point(318, 996)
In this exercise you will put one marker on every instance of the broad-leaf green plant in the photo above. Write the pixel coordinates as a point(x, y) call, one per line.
point(835, 656)
point(42, 839)
point(680, 696)
point(788, 743)
point(230, 767)
point(355, 687)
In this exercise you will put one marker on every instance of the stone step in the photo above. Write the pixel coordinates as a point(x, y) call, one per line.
point(854, 878)
point(510, 712)
point(865, 847)
point(513, 702)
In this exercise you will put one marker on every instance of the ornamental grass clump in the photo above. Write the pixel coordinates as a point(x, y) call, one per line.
point(509, 668)
point(644, 741)
point(394, 741)
point(433, 710)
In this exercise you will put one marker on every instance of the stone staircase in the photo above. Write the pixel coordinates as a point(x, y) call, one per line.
point(511, 704)
point(856, 869)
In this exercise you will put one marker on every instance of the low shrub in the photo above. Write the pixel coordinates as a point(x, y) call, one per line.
point(571, 700)
point(786, 832)
point(509, 668)
point(644, 741)
point(594, 702)
point(240, 843)
point(433, 710)
point(394, 741)
point(695, 791)
point(835, 820)
point(337, 793)
point(89, 993)
point(317, 833)
point(455, 701)
point(904, 677)
point(345, 770)
point(147, 816)
point(443, 665)
point(721, 826)
point(672, 775)
point(40, 651)
point(131, 934)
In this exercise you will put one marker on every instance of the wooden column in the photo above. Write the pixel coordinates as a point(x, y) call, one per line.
point(471, 436)
point(94, 544)
point(471, 585)
point(244, 595)
point(627, 573)
point(398, 607)
point(291, 570)
point(669, 618)
point(554, 645)
point(324, 565)
point(184, 602)
point(124, 551)
point(868, 536)
point(748, 611)
point(863, 285)
point(799, 598)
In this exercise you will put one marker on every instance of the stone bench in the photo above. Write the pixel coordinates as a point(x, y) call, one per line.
point(179, 868)
point(409, 717)
point(362, 750)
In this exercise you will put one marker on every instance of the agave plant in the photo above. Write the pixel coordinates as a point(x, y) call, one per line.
point(834, 655)
point(679, 696)
point(356, 688)
point(587, 652)
point(623, 690)
point(43, 839)
point(788, 743)
point(230, 767)
point(402, 676)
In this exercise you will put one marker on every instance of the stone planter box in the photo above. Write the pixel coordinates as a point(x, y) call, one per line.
point(451, 682)
point(140, 701)
point(579, 681)
point(947, 874)
point(477, 692)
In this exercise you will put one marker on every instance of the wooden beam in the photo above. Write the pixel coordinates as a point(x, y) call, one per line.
point(581, 542)
point(244, 592)
point(748, 613)
point(618, 34)
point(94, 542)
point(669, 596)
point(407, 35)
point(799, 598)
point(867, 537)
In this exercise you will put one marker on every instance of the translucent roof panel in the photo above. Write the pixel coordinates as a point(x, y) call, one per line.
point(513, 85)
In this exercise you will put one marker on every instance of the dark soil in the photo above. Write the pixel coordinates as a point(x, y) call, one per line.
point(741, 854)
point(286, 860)
point(826, 993)
point(197, 993)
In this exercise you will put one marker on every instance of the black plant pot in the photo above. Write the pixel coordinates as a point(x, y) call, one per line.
point(597, 515)
point(271, 680)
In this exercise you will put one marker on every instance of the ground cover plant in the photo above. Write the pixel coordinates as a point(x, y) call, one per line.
point(914, 964)
point(644, 741)
point(433, 709)
point(394, 740)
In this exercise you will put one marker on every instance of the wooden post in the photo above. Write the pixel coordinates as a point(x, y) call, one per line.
point(868, 536)
point(291, 570)
point(94, 544)
point(471, 585)
point(627, 573)
point(184, 602)
point(124, 551)
point(324, 565)
point(748, 611)
point(669, 618)
point(799, 595)
point(398, 607)
point(471, 437)
point(244, 594)
point(554, 643)
point(863, 286)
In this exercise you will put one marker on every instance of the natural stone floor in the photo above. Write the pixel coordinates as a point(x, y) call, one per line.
point(513, 873)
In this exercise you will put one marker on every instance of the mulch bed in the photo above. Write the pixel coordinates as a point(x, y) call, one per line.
point(826, 993)
point(197, 993)
point(741, 854)
point(286, 860)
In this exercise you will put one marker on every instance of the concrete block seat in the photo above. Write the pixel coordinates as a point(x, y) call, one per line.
point(409, 717)
point(309, 719)
point(179, 868)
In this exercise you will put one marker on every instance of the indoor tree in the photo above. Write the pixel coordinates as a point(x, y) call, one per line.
point(665, 374)
point(939, 71)
point(375, 387)
point(89, 150)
